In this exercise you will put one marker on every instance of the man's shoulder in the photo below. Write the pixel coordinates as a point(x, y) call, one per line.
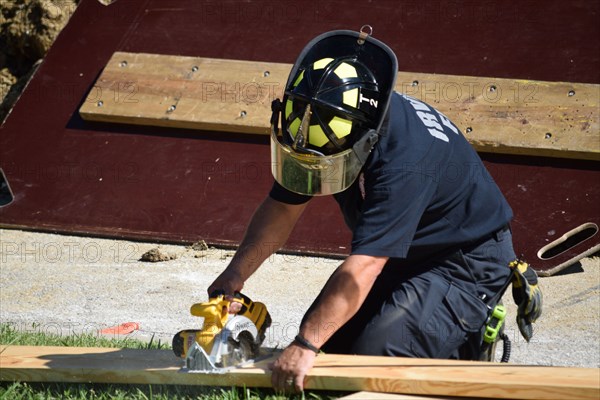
point(421, 127)
point(406, 139)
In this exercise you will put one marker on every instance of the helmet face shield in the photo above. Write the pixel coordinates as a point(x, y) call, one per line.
point(335, 101)
point(312, 174)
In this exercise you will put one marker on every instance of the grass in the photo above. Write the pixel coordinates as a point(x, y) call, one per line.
point(65, 391)
point(35, 337)
point(26, 391)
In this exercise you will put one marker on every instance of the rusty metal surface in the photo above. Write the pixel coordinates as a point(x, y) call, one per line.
point(69, 175)
point(549, 198)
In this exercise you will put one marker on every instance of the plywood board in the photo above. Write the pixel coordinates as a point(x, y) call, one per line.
point(330, 372)
point(497, 115)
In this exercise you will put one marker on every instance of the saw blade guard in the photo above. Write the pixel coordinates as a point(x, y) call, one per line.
point(236, 343)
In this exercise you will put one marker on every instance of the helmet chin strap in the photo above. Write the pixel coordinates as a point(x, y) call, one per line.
point(276, 108)
point(363, 146)
point(300, 139)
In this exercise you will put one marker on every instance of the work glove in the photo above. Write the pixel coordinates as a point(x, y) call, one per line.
point(527, 295)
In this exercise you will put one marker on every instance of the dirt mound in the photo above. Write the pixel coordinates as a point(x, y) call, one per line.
point(27, 30)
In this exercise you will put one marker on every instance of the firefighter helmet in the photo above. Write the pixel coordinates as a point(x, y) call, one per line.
point(338, 101)
point(335, 101)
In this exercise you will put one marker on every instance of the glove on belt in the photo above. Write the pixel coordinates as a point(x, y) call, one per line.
point(527, 295)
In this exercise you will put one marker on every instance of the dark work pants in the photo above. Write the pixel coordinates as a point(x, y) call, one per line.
point(436, 309)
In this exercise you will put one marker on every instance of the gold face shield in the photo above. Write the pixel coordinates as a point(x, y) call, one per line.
point(312, 173)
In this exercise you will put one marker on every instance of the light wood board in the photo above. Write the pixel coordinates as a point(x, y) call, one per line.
point(390, 396)
point(331, 372)
point(497, 115)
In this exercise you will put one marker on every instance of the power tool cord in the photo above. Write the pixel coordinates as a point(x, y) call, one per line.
point(506, 347)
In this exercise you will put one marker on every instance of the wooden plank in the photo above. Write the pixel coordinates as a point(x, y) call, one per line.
point(389, 396)
point(515, 116)
point(509, 116)
point(186, 92)
point(331, 372)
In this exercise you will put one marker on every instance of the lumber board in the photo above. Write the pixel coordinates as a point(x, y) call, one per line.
point(330, 372)
point(390, 396)
point(509, 116)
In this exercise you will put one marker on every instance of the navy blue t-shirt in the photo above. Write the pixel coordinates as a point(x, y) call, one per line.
point(422, 190)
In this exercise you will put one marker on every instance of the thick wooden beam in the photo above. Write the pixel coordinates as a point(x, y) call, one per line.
point(331, 372)
point(497, 115)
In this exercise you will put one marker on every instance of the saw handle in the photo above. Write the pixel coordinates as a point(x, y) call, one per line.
point(216, 310)
point(237, 297)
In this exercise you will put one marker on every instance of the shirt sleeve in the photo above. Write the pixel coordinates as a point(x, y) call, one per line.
point(394, 204)
point(283, 195)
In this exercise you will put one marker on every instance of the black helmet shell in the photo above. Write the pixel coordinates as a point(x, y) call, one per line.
point(344, 98)
point(346, 82)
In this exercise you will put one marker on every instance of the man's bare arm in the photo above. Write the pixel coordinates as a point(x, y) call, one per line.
point(342, 297)
point(268, 230)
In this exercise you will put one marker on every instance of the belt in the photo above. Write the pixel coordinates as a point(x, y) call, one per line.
point(496, 235)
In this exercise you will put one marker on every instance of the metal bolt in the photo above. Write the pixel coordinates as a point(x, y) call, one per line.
point(194, 68)
point(571, 93)
point(266, 73)
point(123, 64)
point(172, 108)
point(415, 83)
point(548, 135)
point(469, 129)
point(100, 103)
point(243, 114)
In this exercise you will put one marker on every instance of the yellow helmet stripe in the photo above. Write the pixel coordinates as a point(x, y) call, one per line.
point(322, 63)
point(351, 98)
point(340, 126)
point(345, 70)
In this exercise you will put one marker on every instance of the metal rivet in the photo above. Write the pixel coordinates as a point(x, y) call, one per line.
point(571, 93)
point(100, 103)
point(243, 114)
point(469, 129)
point(194, 68)
point(548, 135)
point(123, 64)
point(493, 88)
point(266, 73)
point(415, 83)
point(172, 108)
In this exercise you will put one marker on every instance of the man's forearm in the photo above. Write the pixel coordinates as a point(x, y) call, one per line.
point(342, 297)
point(268, 230)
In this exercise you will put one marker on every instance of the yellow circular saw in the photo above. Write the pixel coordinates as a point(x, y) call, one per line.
point(225, 340)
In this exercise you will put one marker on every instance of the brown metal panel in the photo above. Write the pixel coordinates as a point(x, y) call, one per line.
point(69, 175)
point(541, 40)
point(549, 198)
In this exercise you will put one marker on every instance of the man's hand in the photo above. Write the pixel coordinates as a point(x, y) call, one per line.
point(290, 369)
point(229, 282)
